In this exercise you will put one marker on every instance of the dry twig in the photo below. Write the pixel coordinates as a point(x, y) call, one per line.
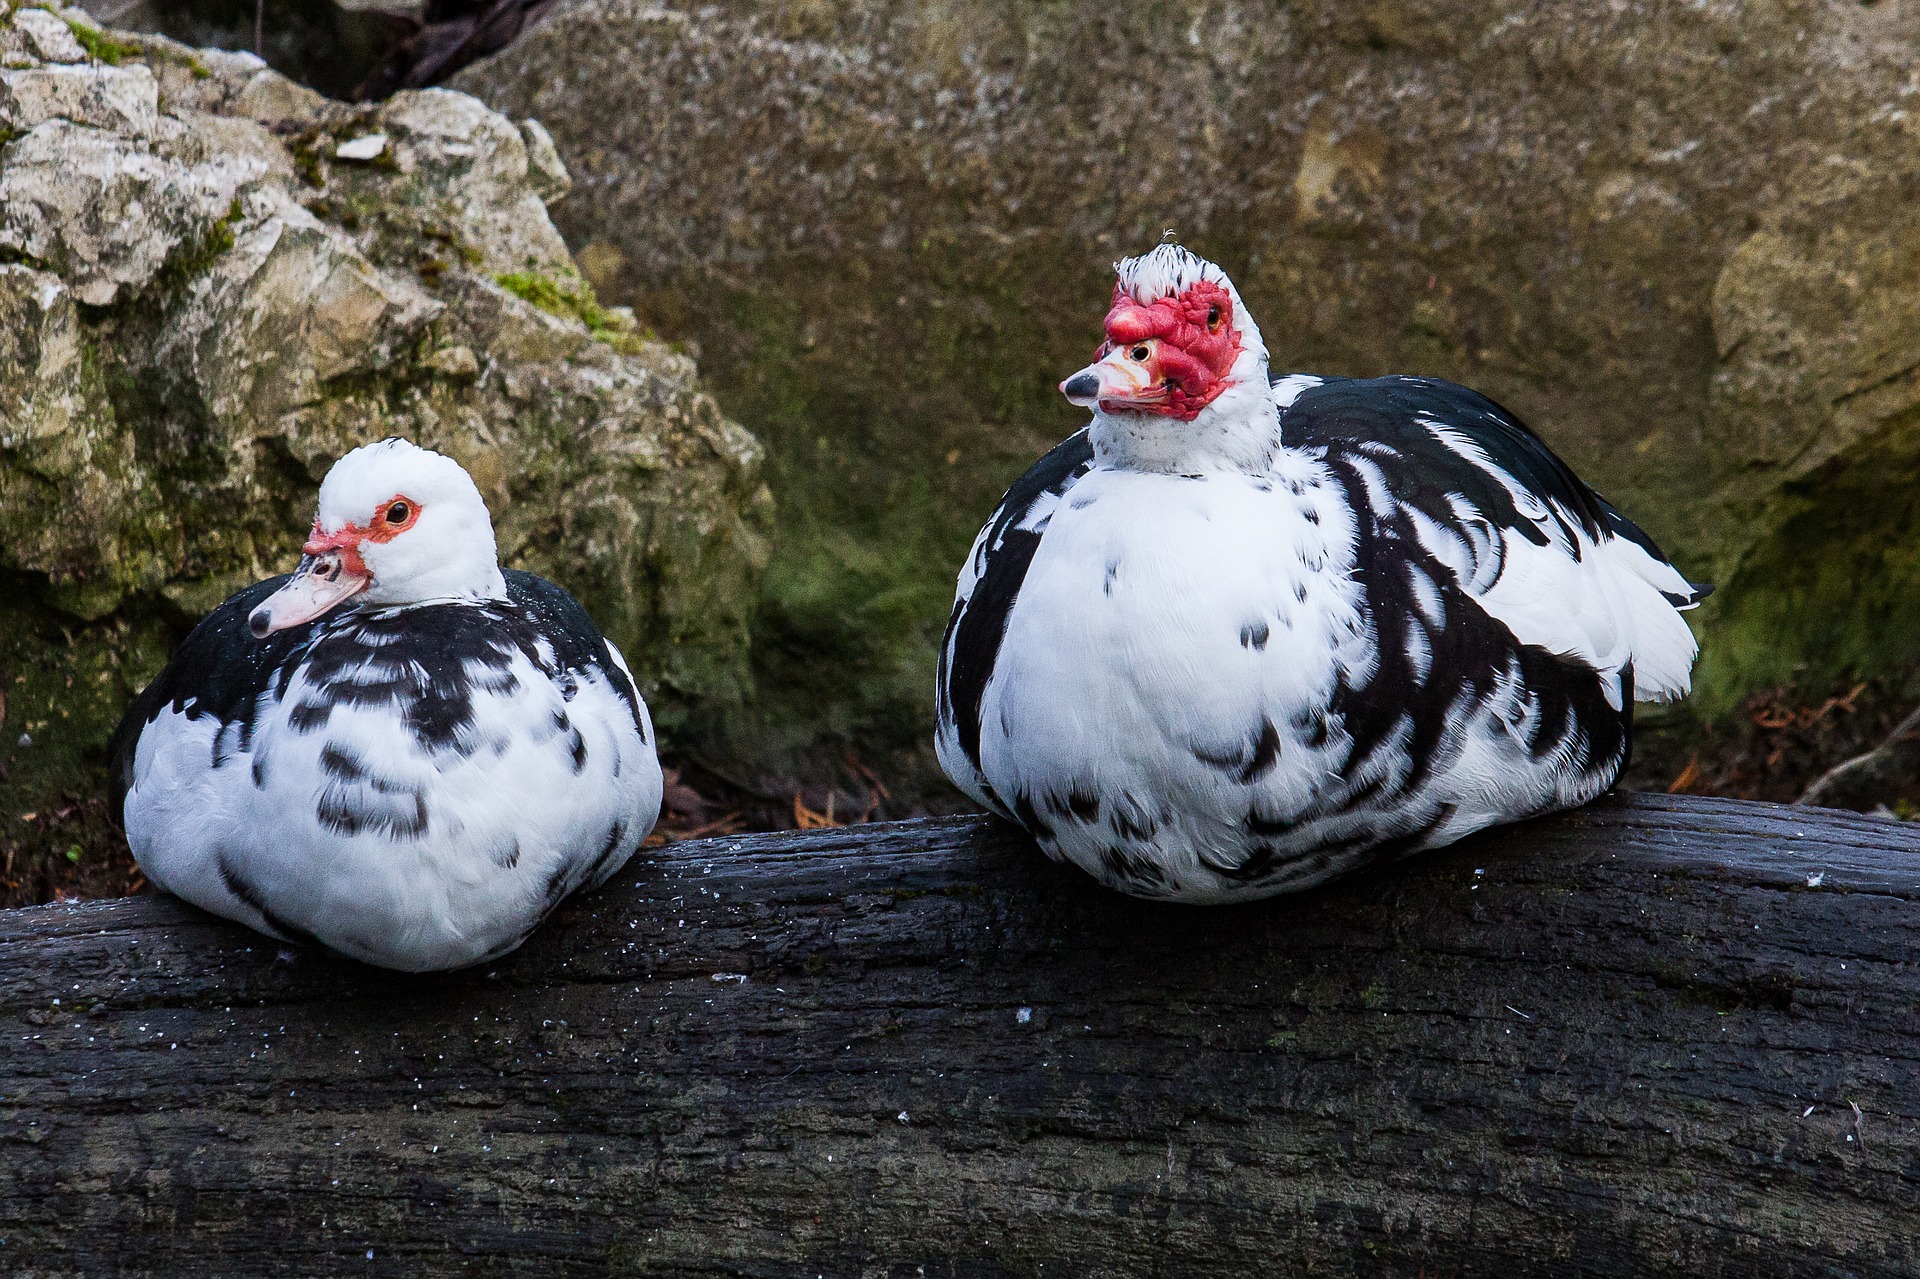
point(1826, 781)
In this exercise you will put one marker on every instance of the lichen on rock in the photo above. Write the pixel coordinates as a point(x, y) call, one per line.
point(212, 283)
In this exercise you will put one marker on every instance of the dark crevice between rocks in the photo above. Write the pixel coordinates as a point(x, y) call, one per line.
point(347, 55)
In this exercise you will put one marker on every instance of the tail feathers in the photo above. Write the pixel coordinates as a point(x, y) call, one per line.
point(1696, 592)
point(1679, 591)
point(1650, 595)
point(1663, 646)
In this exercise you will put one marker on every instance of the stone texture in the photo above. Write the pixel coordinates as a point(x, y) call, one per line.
point(105, 209)
point(201, 308)
point(1676, 237)
point(125, 99)
point(48, 36)
point(41, 388)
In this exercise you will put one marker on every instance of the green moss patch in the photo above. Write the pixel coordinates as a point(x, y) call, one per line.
point(573, 299)
point(102, 47)
point(1829, 596)
point(190, 260)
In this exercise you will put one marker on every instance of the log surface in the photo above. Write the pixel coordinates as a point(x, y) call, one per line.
point(1659, 1036)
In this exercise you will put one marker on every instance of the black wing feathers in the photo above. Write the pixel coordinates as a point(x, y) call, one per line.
point(1380, 431)
point(979, 622)
point(1359, 415)
point(543, 608)
point(1346, 414)
point(219, 670)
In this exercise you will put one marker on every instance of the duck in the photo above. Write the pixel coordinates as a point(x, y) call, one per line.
point(399, 752)
point(1243, 633)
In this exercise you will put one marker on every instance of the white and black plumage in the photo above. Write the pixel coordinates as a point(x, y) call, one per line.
point(1240, 636)
point(399, 751)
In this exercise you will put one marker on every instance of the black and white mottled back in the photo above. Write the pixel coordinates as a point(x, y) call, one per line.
point(413, 780)
point(1240, 652)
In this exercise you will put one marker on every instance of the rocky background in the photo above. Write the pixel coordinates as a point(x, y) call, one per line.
point(214, 283)
point(1681, 239)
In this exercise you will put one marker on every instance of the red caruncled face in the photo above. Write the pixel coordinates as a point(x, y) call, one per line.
point(1196, 349)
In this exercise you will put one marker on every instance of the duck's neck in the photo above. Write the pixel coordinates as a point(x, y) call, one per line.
point(1239, 433)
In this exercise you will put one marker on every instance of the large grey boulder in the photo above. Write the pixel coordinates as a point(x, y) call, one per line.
point(1679, 239)
point(212, 283)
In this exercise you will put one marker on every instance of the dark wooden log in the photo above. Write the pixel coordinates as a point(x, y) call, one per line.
point(1660, 1036)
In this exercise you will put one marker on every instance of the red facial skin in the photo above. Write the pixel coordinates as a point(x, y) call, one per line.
point(1197, 346)
point(347, 540)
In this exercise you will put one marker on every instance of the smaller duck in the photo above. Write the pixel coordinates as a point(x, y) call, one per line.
point(399, 752)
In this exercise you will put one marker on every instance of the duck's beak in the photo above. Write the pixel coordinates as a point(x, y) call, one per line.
point(1127, 377)
point(322, 581)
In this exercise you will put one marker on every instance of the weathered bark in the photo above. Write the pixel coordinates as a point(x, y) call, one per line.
point(1658, 1037)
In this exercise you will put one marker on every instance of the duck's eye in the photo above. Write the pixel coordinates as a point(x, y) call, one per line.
point(1213, 317)
point(398, 513)
point(1139, 353)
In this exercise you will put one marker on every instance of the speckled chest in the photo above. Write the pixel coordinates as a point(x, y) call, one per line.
point(1162, 608)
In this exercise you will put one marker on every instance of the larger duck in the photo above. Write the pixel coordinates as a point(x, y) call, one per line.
point(1241, 635)
point(399, 752)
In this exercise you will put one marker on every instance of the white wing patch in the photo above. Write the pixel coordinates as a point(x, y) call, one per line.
point(1602, 602)
point(1291, 387)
